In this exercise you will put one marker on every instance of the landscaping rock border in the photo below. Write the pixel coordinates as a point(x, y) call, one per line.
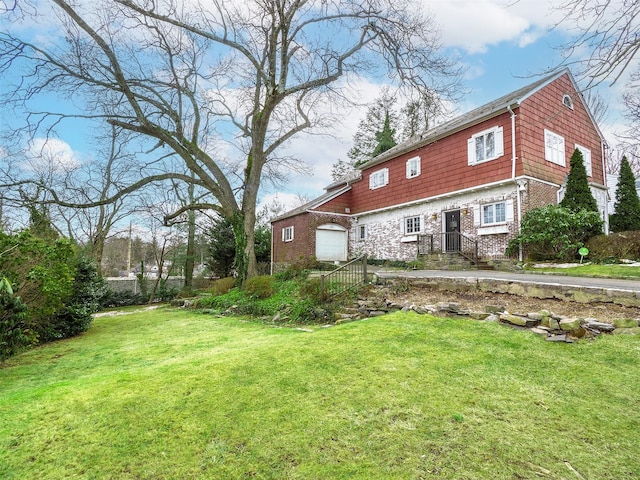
point(555, 328)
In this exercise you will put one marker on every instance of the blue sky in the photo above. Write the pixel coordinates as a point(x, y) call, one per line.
point(503, 44)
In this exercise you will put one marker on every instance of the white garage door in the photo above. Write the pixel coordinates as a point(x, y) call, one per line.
point(331, 243)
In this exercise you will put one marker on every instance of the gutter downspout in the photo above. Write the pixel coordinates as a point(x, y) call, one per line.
point(514, 157)
point(272, 245)
point(604, 146)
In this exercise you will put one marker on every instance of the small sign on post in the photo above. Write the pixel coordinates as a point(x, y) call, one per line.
point(584, 251)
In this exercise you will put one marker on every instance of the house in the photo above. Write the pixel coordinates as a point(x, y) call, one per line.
point(612, 184)
point(460, 186)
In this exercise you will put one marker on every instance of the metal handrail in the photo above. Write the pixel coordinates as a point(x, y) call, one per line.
point(344, 278)
point(425, 244)
point(464, 245)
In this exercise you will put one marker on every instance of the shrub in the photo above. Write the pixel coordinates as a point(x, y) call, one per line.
point(14, 334)
point(307, 311)
point(43, 269)
point(298, 269)
point(223, 285)
point(554, 233)
point(259, 287)
point(122, 299)
point(311, 289)
point(615, 246)
point(87, 293)
point(164, 292)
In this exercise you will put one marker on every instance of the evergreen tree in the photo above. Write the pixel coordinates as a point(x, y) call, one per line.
point(221, 259)
point(40, 224)
point(385, 137)
point(222, 248)
point(627, 204)
point(578, 195)
point(365, 140)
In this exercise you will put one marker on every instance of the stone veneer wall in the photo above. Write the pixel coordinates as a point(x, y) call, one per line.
point(384, 229)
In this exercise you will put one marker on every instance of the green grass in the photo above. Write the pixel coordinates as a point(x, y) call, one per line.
point(169, 394)
point(593, 270)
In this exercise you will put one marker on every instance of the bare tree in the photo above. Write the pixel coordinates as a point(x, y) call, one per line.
point(178, 74)
point(63, 186)
point(606, 48)
point(608, 31)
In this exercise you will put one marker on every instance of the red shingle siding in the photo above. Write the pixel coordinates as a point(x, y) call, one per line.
point(444, 169)
point(448, 182)
point(340, 204)
point(545, 110)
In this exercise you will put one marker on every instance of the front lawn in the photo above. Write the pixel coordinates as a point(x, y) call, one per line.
point(591, 270)
point(169, 394)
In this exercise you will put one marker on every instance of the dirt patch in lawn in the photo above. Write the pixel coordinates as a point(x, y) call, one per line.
point(515, 304)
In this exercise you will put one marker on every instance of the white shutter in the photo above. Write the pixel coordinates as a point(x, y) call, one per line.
point(408, 169)
point(476, 215)
point(499, 142)
point(471, 151)
point(586, 159)
point(422, 225)
point(586, 155)
point(548, 151)
point(402, 226)
point(386, 176)
point(509, 210)
point(283, 234)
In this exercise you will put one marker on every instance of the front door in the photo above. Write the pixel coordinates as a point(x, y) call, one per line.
point(452, 231)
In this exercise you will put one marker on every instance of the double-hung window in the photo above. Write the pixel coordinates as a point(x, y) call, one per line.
point(287, 234)
point(413, 167)
point(586, 159)
point(486, 145)
point(379, 178)
point(554, 148)
point(494, 213)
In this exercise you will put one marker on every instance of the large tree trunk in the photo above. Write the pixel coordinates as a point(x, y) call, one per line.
point(243, 230)
point(98, 250)
point(191, 251)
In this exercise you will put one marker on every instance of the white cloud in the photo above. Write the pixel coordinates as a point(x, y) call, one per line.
point(475, 25)
point(50, 155)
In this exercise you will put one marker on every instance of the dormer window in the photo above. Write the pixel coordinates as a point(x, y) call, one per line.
point(567, 101)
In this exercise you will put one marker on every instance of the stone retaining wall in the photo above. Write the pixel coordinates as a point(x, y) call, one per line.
point(524, 288)
point(555, 328)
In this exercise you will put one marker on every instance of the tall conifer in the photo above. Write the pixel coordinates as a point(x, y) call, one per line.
point(627, 204)
point(578, 195)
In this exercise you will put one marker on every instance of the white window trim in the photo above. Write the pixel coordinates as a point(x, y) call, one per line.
point(498, 145)
point(379, 178)
point(410, 163)
point(287, 234)
point(567, 101)
point(550, 153)
point(478, 212)
point(586, 158)
point(411, 217)
point(362, 232)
